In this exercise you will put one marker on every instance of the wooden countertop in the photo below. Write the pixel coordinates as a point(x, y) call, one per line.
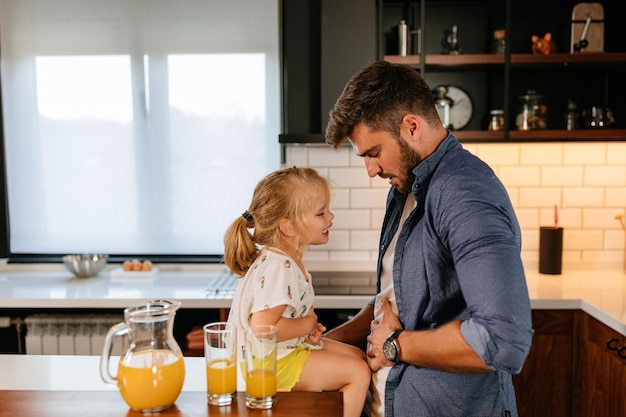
point(188, 404)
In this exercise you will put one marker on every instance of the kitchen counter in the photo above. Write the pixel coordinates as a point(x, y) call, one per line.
point(600, 293)
point(49, 373)
point(206, 289)
point(38, 385)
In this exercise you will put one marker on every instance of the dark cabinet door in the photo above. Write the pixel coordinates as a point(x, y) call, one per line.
point(544, 387)
point(603, 379)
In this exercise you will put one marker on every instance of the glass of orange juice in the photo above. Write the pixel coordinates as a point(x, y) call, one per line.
point(220, 353)
point(260, 356)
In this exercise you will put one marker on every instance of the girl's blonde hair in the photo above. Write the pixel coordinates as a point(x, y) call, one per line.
point(283, 194)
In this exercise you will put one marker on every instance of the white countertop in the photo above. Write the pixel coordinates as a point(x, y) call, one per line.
point(75, 373)
point(195, 289)
point(601, 293)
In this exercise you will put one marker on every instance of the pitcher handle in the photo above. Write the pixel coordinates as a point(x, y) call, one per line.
point(120, 329)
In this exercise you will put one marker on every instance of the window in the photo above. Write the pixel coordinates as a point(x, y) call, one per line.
point(135, 127)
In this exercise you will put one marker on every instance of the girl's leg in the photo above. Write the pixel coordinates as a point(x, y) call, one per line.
point(335, 368)
point(343, 348)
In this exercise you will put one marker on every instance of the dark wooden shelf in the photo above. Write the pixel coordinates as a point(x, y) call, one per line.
point(574, 135)
point(481, 60)
point(582, 58)
point(580, 135)
point(478, 60)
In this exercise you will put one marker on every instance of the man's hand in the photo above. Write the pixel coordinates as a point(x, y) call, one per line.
point(379, 331)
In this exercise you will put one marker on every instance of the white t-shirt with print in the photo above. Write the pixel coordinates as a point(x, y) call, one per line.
point(273, 279)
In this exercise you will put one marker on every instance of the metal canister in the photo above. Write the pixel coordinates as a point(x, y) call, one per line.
point(404, 39)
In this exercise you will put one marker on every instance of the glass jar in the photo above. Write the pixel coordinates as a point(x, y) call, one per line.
point(571, 116)
point(533, 112)
point(496, 120)
point(443, 104)
point(499, 42)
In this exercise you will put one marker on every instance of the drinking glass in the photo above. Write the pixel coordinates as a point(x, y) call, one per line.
point(220, 353)
point(261, 366)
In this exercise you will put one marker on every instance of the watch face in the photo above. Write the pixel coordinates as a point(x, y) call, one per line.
point(390, 351)
point(461, 109)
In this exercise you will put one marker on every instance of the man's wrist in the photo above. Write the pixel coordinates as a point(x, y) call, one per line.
point(391, 348)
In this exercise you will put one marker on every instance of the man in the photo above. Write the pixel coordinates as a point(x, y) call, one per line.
point(450, 322)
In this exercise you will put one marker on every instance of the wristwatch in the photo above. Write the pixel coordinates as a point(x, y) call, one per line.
point(391, 350)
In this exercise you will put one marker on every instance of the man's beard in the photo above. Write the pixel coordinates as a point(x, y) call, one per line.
point(408, 160)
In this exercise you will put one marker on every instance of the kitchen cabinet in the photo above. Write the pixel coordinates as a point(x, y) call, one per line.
point(602, 381)
point(545, 385)
point(324, 42)
point(496, 81)
point(576, 368)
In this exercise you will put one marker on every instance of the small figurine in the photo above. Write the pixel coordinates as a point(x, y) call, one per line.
point(450, 42)
point(543, 46)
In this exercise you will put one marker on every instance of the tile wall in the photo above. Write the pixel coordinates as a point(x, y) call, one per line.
point(587, 181)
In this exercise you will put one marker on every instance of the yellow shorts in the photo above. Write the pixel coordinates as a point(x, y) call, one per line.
point(289, 368)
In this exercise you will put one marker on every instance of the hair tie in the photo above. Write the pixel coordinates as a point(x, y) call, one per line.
point(246, 215)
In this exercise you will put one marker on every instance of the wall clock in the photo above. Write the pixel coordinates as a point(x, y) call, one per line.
point(461, 106)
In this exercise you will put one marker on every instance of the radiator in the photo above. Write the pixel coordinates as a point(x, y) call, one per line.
point(70, 334)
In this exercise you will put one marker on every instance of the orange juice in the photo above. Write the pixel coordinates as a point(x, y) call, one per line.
point(151, 380)
point(221, 377)
point(261, 383)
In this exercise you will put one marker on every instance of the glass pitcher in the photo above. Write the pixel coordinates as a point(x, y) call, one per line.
point(151, 370)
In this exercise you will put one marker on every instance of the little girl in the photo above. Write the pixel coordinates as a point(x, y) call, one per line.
point(290, 211)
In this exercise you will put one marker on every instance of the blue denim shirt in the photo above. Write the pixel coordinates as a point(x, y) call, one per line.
point(458, 257)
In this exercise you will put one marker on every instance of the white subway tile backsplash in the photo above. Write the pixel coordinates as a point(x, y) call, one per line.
point(541, 154)
point(364, 240)
point(615, 239)
point(565, 176)
point(605, 175)
point(316, 254)
point(583, 239)
point(378, 182)
point(527, 218)
point(567, 217)
point(584, 154)
point(540, 197)
point(599, 219)
point(353, 256)
point(355, 160)
point(520, 176)
point(377, 217)
point(499, 154)
point(325, 156)
point(351, 219)
point(615, 197)
point(368, 198)
point(616, 153)
point(530, 240)
point(349, 177)
point(587, 181)
point(583, 197)
point(340, 198)
point(339, 240)
point(297, 155)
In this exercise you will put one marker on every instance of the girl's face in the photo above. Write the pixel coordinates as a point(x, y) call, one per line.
point(318, 219)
